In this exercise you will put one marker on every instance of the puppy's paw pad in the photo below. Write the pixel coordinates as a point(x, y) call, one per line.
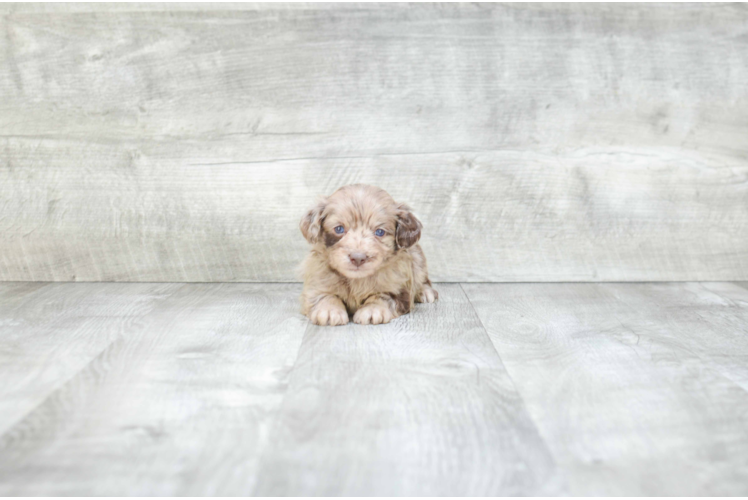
point(428, 295)
point(324, 316)
point(374, 314)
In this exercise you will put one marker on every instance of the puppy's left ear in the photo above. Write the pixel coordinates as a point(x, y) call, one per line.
point(408, 228)
point(311, 223)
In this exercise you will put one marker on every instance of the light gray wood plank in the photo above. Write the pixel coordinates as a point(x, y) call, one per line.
point(627, 12)
point(496, 216)
point(420, 406)
point(707, 319)
point(624, 383)
point(49, 332)
point(502, 76)
point(177, 165)
point(179, 407)
point(69, 7)
point(14, 293)
point(454, 79)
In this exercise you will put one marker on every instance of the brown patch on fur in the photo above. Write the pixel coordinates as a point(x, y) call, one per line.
point(402, 301)
point(408, 228)
point(331, 239)
point(311, 223)
point(394, 273)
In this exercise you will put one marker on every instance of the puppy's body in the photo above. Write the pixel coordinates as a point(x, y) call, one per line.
point(365, 259)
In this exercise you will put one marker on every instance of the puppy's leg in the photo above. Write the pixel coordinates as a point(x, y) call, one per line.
point(427, 293)
point(376, 310)
point(329, 310)
point(424, 291)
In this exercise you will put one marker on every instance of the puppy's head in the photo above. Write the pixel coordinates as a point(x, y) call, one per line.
point(359, 228)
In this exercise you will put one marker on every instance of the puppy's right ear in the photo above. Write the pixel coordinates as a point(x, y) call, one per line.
point(311, 223)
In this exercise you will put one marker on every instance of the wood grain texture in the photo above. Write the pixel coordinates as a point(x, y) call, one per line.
point(420, 406)
point(494, 216)
point(638, 389)
point(224, 389)
point(50, 332)
point(100, 7)
point(178, 407)
point(536, 142)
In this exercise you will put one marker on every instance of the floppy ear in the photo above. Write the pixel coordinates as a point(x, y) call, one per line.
point(408, 228)
point(311, 223)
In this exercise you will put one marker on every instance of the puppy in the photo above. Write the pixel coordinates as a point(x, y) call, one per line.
point(365, 259)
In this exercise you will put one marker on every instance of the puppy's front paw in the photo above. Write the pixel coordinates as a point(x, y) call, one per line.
point(428, 295)
point(373, 314)
point(325, 314)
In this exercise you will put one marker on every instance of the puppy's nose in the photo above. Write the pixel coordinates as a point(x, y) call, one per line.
point(358, 258)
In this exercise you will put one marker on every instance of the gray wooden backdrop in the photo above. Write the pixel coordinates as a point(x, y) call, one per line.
point(536, 142)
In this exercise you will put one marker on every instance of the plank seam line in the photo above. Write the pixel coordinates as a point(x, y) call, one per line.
point(359, 157)
point(273, 424)
point(538, 428)
point(485, 330)
point(57, 389)
point(68, 380)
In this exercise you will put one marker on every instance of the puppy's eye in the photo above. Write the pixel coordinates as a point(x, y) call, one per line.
point(339, 229)
point(379, 232)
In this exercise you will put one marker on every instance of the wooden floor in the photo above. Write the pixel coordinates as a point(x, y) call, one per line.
point(498, 389)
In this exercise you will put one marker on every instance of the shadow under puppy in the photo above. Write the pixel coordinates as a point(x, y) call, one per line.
point(364, 260)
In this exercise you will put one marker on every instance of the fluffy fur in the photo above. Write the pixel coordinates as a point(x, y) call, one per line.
point(374, 278)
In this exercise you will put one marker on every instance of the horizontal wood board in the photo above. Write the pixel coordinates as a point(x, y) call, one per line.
point(536, 142)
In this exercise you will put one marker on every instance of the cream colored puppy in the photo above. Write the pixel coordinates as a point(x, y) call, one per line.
point(364, 260)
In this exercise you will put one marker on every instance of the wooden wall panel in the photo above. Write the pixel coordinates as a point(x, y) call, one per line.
point(536, 142)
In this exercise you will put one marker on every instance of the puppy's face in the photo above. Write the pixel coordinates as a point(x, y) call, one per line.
point(359, 228)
